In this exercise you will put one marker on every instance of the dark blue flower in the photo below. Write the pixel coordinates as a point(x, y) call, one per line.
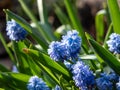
point(113, 77)
point(72, 42)
point(114, 43)
point(105, 82)
point(36, 83)
point(58, 51)
point(118, 85)
point(83, 76)
point(15, 31)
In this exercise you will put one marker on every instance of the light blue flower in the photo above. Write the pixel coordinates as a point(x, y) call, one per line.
point(57, 87)
point(104, 82)
point(36, 83)
point(83, 76)
point(114, 43)
point(58, 51)
point(15, 31)
point(118, 85)
point(72, 42)
point(68, 65)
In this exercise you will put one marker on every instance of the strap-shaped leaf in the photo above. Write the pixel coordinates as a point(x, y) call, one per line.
point(49, 63)
point(72, 12)
point(14, 80)
point(106, 56)
point(99, 24)
point(115, 14)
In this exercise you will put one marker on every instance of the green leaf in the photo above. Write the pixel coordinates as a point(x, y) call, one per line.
point(6, 47)
point(14, 80)
point(110, 30)
point(49, 63)
point(3, 68)
point(75, 21)
point(62, 17)
point(48, 71)
point(88, 57)
point(115, 14)
point(21, 58)
point(106, 56)
point(99, 23)
point(88, 36)
point(45, 33)
point(42, 11)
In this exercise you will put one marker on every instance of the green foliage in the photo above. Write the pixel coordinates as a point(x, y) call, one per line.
point(106, 56)
point(32, 59)
point(100, 25)
point(115, 14)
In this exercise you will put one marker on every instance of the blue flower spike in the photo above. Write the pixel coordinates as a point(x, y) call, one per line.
point(67, 49)
point(36, 83)
point(58, 51)
point(104, 82)
point(114, 43)
point(83, 76)
point(73, 43)
point(15, 31)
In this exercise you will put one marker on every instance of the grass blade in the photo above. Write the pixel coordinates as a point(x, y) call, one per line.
point(99, 22)
point(75, 21)
point(115, 14)
point(6, 47)
point(106, 56)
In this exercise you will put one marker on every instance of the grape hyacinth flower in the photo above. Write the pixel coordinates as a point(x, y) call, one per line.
point(72, 42)
point(36, 83)
point(83, 76)
point(57, 88)
point(67, 49)
point(114, 43)
point(118, 85)
point(104, 82)
point(15, 31)
point(58, 51)
point(113, 77)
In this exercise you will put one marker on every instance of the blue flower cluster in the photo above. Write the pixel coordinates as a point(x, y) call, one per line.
point(68, 48)
point(15, 31)
point(83, 76)
point(114, 43)
point(68, 65)
point(118, 84)
point(58, 51)
point(105, 82)
point(73, 43)
point(36, 83)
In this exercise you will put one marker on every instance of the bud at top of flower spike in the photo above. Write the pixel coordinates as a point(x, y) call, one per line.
point(72, 42)
point(114, 43)
point(36, 83)
point(83, 76)
point(15, 31)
